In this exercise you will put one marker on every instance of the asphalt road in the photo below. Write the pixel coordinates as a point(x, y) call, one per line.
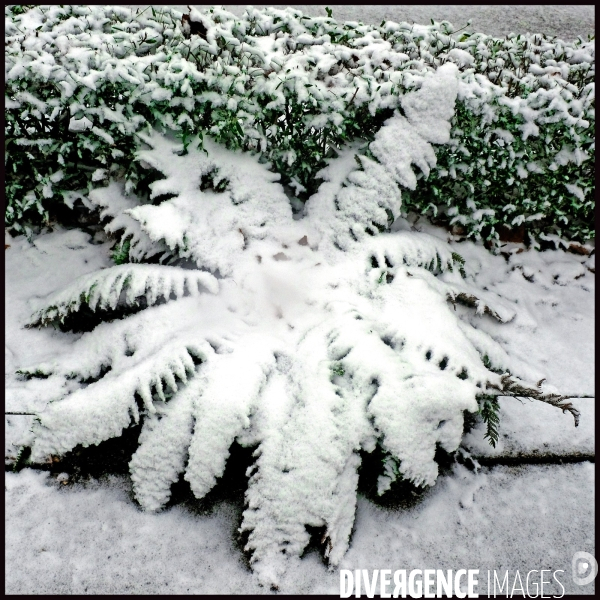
point(563, 21)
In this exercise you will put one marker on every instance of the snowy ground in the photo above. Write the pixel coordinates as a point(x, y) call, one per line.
point(89, 537)
point(93, 539)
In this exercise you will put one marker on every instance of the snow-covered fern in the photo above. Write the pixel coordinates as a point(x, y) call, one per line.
point(125, 284)
point(310, 337)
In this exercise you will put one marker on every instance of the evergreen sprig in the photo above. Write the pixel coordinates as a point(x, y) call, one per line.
point(489, 409)
point(120, 254)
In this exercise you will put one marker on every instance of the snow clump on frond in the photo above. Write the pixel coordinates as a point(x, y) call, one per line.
point(123, 285)
point(203, 225)
point(370, 200)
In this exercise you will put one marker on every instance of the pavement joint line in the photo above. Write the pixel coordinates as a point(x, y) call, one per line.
point(551, 459)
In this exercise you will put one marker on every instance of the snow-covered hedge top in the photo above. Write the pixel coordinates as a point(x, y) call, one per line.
point(83, 80)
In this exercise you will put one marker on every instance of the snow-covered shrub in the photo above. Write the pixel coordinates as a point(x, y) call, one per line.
point(524, 161)
point(82, 81)
point(308, 337)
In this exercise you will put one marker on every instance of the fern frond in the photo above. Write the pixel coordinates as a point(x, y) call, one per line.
point(22, 458)
point(306, 458)
point(222, 411)
point(411, 249)
point(104, 408)
point(114, 206)
point(483, 301)
point(120, 254)
point(488, 410)
point(206, 226)
point(390, 473)
point(460, 261)
point(322, 339)
point(410, 390)
point(391, 253)
point(371, 195)
point(162, 450)
point(513, 386)
point(123, 285)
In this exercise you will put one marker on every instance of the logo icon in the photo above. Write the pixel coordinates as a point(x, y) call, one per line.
point(585, 568)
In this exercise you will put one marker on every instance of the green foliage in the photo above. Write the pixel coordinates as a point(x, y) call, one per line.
point(33, 374)
point(482, 181)
point(19, 9)
point(460, 261)
point(338, 369)
point(487, 363)
point(22, 459)
point(120, 253)
point(488, 411)
point(521, 152)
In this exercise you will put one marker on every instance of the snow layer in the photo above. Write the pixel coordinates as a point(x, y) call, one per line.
point(91, 539)
point(533, 429)
point(429, 542)
point(552, 294)
point(388, 361)
point(34, 270)
point(26, 488)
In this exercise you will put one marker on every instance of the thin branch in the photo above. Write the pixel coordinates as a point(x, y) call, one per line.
point(509, 386)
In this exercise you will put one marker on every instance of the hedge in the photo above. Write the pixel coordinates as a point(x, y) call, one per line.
point(83, 81)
